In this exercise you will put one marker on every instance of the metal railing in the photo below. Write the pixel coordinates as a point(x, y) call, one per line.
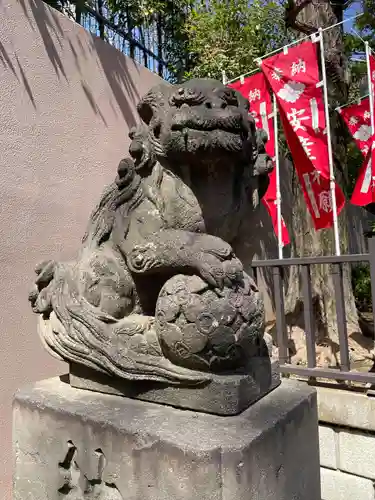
point(312, 371)
point(142, 44)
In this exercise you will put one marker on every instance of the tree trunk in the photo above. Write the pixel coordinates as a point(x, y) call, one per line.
point(100, 19)
point(159, 34)
point(130, 27)
point(305, 240)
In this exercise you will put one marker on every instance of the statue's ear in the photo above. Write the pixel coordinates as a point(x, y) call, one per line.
point(261, 140)
point(262, 136)
point(132, 132)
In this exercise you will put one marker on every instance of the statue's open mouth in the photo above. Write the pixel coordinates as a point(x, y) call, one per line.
point(194, 139)
point(231, 124)
point(208, 128)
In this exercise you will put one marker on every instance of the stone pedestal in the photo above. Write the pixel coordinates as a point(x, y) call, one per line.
point(223, 395)
point(71, 444)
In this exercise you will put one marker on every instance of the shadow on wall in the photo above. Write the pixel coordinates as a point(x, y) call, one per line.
point(115, 67)
point(113, 63)
point(93, 104)
point(44, 21)
point(7, 63)
point(5, 59)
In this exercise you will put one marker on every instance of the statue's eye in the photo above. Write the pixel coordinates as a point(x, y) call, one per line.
point(175, 101)
point(230, 98)
point(186, 96)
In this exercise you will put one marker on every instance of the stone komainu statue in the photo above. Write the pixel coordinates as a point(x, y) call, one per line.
point(157, 292)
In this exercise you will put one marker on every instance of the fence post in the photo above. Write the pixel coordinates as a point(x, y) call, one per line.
point(337, 277)
point(371, 248)
point(308, 316)
point(281, 332)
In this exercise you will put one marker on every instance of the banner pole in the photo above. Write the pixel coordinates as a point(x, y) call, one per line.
point(370, 88)
point(371, 91)
point(224, 77)
point(330, 152)
point(277, 171)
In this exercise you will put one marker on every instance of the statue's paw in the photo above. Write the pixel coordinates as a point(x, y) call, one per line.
point(233, 270)
point(33, 296)
point(217, 272)
point(214, 246)
point(40, 301)
point(40, 295)
point(45, 271)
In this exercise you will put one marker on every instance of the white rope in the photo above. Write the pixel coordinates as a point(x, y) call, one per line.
point(353, 101)
point(243, 76)
point(359, 36)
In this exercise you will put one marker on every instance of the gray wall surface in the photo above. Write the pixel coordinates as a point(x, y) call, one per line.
point(67, 102)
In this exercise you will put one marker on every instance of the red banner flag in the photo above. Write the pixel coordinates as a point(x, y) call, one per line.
point(294, 78)
point(358, 120)
point(254, 88)
point(364, 190)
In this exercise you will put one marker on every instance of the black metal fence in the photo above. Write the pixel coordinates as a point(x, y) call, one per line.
point(143, 44)
point(312, 371)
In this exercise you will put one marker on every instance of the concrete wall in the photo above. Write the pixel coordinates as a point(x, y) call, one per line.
point(347, 444)
point(67, 101)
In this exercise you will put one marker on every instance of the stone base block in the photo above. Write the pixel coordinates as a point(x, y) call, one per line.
point(73, 444)
point(337, 485)
point(224, 395)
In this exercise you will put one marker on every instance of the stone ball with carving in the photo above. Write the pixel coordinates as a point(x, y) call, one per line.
point(209, 329)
